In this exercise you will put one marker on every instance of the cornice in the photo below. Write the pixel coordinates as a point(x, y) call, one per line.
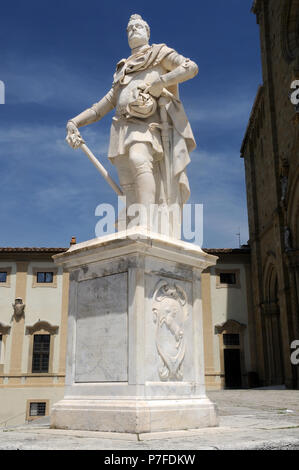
point(42, 325)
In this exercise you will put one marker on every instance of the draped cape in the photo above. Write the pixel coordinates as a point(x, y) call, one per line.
point(182, 141)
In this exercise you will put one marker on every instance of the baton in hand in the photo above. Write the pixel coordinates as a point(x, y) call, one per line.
point(80, 143)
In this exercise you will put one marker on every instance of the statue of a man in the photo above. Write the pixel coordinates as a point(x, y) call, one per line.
point(151, 137)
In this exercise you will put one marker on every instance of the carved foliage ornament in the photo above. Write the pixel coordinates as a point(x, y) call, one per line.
point(170, 311)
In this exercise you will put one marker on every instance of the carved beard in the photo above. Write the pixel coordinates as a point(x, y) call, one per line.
point(137, 41)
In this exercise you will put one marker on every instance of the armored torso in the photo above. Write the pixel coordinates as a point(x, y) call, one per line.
point(128, 92)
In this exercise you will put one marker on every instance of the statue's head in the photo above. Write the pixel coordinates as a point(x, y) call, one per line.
point(138, 31)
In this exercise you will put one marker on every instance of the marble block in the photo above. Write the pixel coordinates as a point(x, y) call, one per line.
point(101, 330)
point(135, 360)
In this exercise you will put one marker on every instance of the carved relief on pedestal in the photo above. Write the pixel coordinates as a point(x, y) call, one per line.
point(170, 309)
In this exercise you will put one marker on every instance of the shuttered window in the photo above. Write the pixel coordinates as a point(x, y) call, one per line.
point(41, 353)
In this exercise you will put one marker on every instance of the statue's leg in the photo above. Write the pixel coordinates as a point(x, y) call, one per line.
point(141, 164)
point(126, 179)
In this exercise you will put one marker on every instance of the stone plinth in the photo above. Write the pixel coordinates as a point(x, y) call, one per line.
point(135, 360)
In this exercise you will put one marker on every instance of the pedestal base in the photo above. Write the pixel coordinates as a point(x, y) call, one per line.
point(135, 337)
point(134, 416)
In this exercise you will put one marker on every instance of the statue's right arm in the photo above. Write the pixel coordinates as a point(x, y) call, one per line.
point(91, 115)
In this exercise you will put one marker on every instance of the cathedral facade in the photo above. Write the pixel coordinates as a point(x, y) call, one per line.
point(270, 150)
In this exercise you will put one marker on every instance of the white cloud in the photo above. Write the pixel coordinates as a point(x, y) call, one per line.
point(52, 83)
point(36, 160)
point(55, 173)
point(225, 112)
point(217, 181)
point(230, 109)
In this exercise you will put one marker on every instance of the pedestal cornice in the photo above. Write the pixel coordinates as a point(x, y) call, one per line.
point(135, 241)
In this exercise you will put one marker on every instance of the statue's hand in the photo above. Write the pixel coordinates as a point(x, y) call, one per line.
point(155, 89)
point(73, 137)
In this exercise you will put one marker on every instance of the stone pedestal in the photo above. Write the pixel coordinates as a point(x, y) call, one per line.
point(135, 360)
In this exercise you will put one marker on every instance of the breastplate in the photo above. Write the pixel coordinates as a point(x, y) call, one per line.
point(127, 92)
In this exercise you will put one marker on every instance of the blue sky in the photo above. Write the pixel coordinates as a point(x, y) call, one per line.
point(57, 57)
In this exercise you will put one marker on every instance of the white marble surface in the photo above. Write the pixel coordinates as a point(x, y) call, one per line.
point(162, 337)
point(135, 340)
point(102, 322)
point(163, 248)
point(149, 124)
point(134, 416)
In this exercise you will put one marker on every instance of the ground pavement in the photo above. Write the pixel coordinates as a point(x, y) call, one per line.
point(249, 419)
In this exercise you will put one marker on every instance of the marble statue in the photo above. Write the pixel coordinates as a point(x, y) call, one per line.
point(135, 350)
point(151, 138)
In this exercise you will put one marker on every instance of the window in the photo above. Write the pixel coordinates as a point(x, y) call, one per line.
point(41, 348)
point(5, 275)
point(44, 277)
point(37, 409)
point(231, 339)
point(227, 278)
point(41, 354)
point(4, 331)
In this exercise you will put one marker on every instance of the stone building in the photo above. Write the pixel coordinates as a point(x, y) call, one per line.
point(227, 323)
point(33, 323)
point(270, 151)
point(33, 328)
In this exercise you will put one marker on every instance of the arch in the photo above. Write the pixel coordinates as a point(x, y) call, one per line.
point(290, 30)
point(230, 326)
point(271, 327)
point(272, 287)
point(293, 210)
point(270, 278)
point(42, 326)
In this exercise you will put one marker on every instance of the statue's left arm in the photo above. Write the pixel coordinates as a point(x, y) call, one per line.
point(179, 69)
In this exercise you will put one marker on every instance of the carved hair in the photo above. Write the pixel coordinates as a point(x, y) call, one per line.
point(139, 17)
